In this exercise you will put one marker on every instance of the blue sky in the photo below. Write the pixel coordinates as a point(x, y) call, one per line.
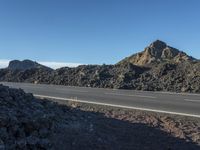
point(95, 31)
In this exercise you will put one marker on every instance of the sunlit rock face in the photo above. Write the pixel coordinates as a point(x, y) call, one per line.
point(157, 52)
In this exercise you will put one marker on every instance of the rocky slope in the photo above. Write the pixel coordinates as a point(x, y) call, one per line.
point(30, 123)
point(24, 65)
point(158, 68)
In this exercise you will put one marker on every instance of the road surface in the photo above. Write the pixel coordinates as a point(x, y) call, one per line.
point(172, 103)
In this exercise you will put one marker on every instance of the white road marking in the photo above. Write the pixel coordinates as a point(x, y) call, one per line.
point(192, 100)
point(120, 106)
point(119, 94)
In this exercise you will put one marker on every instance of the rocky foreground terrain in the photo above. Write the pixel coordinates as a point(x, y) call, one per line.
point(30, 123)
point(158, 68)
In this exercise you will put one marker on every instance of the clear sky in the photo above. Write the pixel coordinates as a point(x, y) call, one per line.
point(95, 31)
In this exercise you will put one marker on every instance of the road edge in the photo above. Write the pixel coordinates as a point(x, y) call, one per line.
point(119, 106)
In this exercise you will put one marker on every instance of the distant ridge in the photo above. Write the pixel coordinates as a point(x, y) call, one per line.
point(24, 65)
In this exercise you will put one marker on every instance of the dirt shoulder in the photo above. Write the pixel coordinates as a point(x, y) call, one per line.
point(136, 129)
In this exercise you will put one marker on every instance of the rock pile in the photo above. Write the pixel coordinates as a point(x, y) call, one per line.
point(29, 123)
point(25, 122)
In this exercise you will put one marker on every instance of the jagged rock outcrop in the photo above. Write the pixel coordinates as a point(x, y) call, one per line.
point(157, 52)
point(25, 64)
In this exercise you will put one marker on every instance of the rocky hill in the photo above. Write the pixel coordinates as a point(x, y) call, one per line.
point(158, 52)
point(158, 68)
point(24, 65)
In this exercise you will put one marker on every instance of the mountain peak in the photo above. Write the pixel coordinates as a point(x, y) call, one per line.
point(157, 52)
point(158, 44)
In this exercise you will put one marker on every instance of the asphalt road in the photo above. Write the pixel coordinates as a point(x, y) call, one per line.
point(173, 103)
